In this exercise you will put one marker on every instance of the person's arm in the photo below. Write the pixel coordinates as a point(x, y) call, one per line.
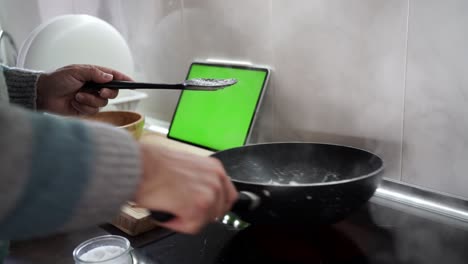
point(61, 174)
point(59, 91)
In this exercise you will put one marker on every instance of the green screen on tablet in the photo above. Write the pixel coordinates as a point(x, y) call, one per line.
point(221, 119)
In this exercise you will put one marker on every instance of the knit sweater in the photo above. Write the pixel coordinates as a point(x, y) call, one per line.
point(57, 174)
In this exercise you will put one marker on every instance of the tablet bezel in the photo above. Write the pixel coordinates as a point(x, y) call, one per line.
point(257, 106)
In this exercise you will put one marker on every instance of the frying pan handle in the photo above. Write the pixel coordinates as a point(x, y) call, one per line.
point(161, 217)
point(246, 201)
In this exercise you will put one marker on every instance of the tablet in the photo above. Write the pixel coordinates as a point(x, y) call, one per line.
point(222, 119)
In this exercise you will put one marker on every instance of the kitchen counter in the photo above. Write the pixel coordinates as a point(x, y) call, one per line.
point(383, 231)
point(160, 139)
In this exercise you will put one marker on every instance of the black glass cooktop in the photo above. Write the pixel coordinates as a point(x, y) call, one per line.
point(375, 234)
point(382, 232)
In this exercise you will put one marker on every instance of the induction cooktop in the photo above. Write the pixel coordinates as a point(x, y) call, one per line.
point(377, 233)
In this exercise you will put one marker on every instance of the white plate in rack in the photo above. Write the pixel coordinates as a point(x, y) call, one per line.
point(71, 39)
point(80, 39)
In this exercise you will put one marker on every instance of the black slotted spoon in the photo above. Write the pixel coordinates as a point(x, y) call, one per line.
point(199, 84)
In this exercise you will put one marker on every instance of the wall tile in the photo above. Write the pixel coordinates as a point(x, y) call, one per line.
point(20, 17)
point(436, 102)
point(235, 30)
point(339, 74)
point(155, 33)
point(107, 10)
point(52, 8)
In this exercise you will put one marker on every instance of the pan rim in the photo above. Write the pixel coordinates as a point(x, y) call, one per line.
point(369, 175)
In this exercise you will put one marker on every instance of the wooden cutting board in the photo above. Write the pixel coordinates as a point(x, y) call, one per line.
point(134, 220)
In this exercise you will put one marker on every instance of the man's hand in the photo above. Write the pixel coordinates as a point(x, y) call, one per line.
point(195, 189)
point(59, 91)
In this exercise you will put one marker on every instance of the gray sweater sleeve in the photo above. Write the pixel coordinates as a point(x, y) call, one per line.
point(21, 86)
point(60, 174)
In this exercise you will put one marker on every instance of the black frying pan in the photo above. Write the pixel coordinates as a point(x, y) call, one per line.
point(300, 182)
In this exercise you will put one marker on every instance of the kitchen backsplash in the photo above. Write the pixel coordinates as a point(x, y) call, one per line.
point(385, 75)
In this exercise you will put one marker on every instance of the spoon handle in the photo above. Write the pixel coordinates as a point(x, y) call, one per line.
point(131, 85)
